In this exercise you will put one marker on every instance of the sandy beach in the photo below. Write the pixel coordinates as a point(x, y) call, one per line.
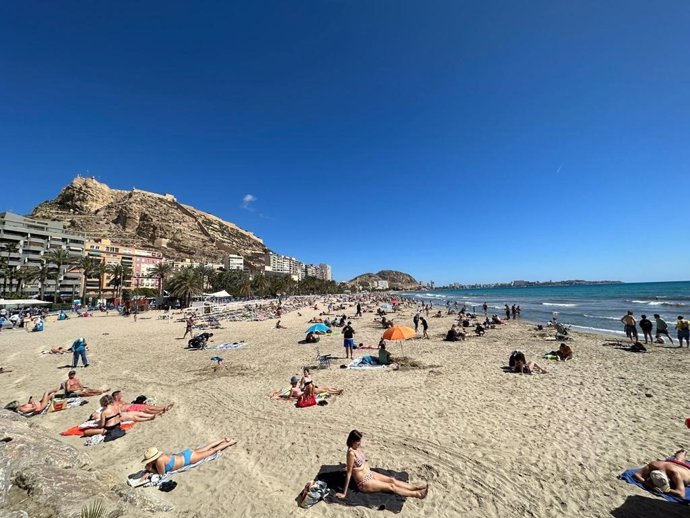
point(490, 443)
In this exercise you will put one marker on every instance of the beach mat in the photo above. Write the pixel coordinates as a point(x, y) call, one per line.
point(628, 477)
point(226, 347)
point(334, 477)
point(359, 363)
point(78, 431)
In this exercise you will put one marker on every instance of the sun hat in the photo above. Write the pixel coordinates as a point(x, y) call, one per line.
point(151, 454)
point(294, 379)
point(660, 480)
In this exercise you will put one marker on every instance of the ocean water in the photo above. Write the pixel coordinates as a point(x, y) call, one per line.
point(594, 308)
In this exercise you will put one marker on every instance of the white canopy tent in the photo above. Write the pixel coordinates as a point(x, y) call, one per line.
point(219, 294)
point(23, 302)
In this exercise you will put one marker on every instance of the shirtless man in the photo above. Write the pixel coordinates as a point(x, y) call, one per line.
point(74, 388)
point(667, 476)
point(630, 326)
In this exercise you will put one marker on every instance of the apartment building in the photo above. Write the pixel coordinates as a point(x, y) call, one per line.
point(33, 239)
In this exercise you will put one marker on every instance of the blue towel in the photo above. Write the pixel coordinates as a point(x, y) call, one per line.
point(628, 477)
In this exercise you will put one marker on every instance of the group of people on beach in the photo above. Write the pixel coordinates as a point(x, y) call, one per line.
point(630, 324)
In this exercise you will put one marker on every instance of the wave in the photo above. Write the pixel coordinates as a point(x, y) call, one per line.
point(598, 329)
point(560, 305)
point(599, 316)
point(673, 304)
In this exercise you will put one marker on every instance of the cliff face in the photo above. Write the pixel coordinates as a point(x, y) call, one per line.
point(149, 220)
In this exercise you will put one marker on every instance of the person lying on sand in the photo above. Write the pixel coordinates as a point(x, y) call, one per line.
point(278, 326)
point(564, 353)
point(308, 387)
point(57, 350)
point(479, 330)
point(3, 370)
point(74, 388)
point(667, 476)
point(139, 407)
point(32, 407)
point(519, 364)
point(369, 481)
point(159, 463)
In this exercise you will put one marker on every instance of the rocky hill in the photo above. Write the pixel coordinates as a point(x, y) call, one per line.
point(149, 220)
point(396, 280)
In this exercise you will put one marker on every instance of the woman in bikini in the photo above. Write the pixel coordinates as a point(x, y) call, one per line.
point(159, 463)
point(32, 407)
point(369, 481)
point(309, 387)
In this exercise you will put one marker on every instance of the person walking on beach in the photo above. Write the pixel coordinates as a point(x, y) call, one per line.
point(415, 319)
point(188, 329)
point(661, 328)
point(683, 328)
point(359, 310)
point(630, 327)
point(646, 326)
point(349, 340)
point(425, 327)
point(513, 311)
point(79, 351)
point(507, 310)
point(486, 309)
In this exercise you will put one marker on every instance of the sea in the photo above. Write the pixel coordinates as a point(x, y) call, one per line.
point(597, 307)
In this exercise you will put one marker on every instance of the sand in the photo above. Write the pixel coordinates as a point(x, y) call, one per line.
point(491, 444)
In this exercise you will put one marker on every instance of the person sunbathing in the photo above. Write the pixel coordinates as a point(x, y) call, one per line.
point(479, 330)
point(519, 364)
point(139, 407)
point(308, 387)
point(74, 388)
point(295, 391)
point(564, 353)
point(159, 463)
point(369, 481)
point(667, 476)
point(278, 326)
point(57, 350)
point(32, 407)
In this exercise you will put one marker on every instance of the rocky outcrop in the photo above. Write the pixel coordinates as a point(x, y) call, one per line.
point(151, 221)
point(44, 478)
point(396, 280)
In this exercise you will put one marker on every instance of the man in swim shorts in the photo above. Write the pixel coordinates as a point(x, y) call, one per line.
point(667, 476)
point(661, 328)
point(630, 327)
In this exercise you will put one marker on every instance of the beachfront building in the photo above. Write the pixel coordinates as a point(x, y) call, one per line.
point(24, 242)
point(234, 262)
point(284, 264)
point(325, 272)
point(137, 263)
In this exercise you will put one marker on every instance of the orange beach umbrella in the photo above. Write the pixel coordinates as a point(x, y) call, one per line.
point(399, 333)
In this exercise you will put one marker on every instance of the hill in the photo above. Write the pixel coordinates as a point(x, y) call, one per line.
point(396, 280)
point(149, 220)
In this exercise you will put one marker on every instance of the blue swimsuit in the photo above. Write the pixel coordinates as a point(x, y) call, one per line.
point(186, 455)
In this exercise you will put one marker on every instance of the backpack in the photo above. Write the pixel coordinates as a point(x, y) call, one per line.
point(313, 493)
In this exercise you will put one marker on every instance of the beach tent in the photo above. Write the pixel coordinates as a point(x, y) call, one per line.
point(222, 294)
point(22, 302)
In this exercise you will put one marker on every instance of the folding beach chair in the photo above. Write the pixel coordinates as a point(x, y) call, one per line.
point(324, 360)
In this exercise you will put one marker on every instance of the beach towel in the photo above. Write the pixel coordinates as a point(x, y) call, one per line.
point(364, 363)
point(227, 346)
point(628, 477)
point(334, 477)
point(78, 431)
point(141, 480)
point(62, 405)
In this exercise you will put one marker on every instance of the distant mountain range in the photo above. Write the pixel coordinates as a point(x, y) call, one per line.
point(150, 221)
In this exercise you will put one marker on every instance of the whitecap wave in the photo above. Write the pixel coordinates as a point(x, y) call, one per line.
point(560, 305)
point(600, 316)
point(598, 330)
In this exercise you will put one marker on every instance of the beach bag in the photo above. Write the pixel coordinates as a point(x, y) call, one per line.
point(313, 493)
point(306, 401)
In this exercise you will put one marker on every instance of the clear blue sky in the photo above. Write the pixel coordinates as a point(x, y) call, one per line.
point(457, 141)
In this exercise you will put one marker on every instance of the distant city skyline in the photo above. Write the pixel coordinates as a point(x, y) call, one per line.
point(457, 142)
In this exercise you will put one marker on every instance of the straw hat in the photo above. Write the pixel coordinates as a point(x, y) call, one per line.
point(151, 454)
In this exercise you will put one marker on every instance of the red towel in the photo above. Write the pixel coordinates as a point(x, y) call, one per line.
point(79, 432)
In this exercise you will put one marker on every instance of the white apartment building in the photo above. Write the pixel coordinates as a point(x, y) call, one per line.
point(234, 262)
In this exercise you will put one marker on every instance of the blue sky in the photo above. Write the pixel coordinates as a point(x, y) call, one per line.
point(456, 141)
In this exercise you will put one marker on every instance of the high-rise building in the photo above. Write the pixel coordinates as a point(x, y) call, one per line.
point(325, 271)
point(24, 242)
point(234, 262)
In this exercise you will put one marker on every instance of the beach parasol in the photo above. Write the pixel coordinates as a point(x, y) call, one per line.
point(318, 327)
point(399, 333)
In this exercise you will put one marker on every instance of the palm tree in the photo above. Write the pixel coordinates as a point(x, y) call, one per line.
point(161, 271)
point(26, 275)
point(44, 273)
point(120, 273)
point(89, 268)
point(60, 258)
point(102, 269)
point(185, 284)
point(206, 273)
point(245, 288)
point(260, 284)
point(10, 248)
